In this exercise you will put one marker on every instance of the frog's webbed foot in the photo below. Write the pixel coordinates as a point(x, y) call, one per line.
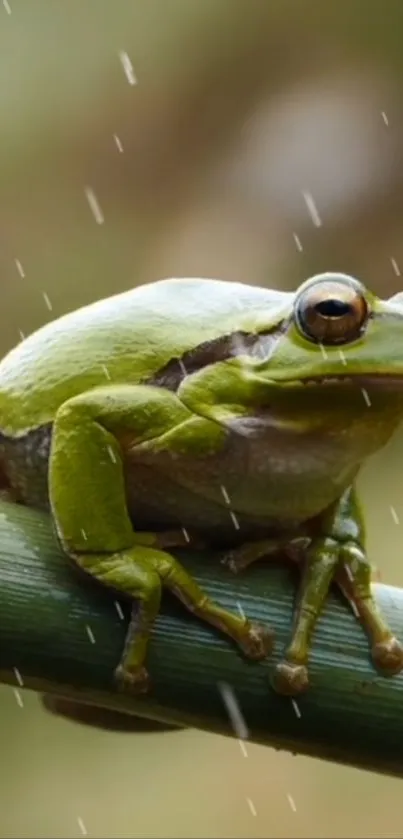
point(387, 655)
point(9, 495)
point(135, 681)
point(241, 557)
point(179, 539)
point(354, 579)
point(257, 641)
point(290, 679)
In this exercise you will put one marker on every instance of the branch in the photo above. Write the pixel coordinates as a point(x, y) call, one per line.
point(62, 635)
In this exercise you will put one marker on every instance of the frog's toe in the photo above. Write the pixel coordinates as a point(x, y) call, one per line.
point(388, 655)
point(290, 679)
point(132, 681)
point(231, 561)
point(258, 641)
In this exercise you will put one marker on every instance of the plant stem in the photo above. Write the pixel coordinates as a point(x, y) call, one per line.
point(62, 635)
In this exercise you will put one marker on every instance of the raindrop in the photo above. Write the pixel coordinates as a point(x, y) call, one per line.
point(251, 807)
point(127, 67)
point(94, 205)
point(19, 268)
point(90, 634)
point(47, 301)
point(234, 711)
point(118, 143)
point(297, 241)
point(312, 209)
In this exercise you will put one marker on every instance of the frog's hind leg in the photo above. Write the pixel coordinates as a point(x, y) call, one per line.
point(354, 579)
point(88, 502)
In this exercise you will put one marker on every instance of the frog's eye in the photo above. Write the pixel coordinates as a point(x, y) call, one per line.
point(331, 311)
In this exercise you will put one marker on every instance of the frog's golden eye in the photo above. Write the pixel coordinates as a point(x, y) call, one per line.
point(331, 311)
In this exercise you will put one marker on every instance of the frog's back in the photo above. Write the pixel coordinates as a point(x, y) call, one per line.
point(122, 339)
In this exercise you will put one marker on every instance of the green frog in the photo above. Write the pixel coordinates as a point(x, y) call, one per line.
point(210, 413)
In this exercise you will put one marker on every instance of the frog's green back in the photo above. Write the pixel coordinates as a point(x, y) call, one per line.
point(123, 339)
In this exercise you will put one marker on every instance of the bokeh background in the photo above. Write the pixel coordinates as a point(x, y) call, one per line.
point(243, 139)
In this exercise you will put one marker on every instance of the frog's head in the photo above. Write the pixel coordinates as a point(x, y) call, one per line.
point(334, 330)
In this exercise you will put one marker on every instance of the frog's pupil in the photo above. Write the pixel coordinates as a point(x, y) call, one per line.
point(332, 308)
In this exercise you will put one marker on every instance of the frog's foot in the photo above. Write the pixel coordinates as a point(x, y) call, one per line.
point(256, 641)
point(232, 561)
point(179, 539)
point(135, 681)
point(240, 558)
point(290, 678)
point(9, 495)
point(387, 655)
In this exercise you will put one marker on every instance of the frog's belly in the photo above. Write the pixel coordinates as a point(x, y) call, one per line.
point(252, 485)
point(247, 487)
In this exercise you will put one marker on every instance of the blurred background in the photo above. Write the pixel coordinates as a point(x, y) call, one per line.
point(243, 139)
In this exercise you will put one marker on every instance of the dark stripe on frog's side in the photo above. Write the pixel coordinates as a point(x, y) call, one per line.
point(261, 345)
point(25, 465)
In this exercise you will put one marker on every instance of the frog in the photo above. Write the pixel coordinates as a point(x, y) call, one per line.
point(217, 415)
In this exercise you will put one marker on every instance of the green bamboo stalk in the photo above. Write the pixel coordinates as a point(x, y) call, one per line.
point(61, 634)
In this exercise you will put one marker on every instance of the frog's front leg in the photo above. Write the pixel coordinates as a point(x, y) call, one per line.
point(90, 438)
point(336, 553)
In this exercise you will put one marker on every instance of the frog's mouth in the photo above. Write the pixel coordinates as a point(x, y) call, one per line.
point(378, 381)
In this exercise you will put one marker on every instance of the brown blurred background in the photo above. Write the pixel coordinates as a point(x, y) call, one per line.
point(243, 139)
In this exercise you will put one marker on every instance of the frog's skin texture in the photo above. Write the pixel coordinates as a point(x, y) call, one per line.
point(237, 413)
